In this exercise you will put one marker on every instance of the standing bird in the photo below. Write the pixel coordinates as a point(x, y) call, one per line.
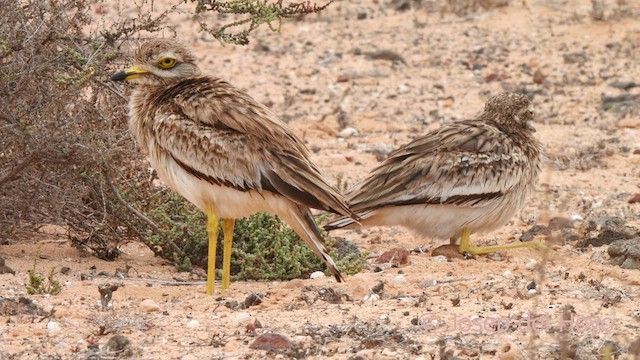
point(223, 151)
point(466, 177)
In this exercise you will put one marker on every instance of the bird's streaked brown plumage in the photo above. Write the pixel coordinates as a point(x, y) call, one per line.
point(468, 176)
point(222, 150)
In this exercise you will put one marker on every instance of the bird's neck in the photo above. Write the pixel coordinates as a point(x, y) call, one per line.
point(141, 115)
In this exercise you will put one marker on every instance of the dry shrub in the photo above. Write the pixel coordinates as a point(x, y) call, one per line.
point(62, 126)
point(66, 156)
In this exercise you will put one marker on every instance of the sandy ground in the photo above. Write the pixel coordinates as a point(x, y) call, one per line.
point(321, 75)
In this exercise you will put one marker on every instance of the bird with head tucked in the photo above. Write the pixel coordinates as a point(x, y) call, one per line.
point(223, 151)
point(466, 177)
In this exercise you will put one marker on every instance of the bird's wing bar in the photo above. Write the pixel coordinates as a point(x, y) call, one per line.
point(463, 165)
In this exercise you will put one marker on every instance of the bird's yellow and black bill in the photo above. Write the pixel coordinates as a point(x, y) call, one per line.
point(131, 73)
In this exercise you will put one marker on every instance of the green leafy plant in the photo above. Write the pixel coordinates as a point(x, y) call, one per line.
point(264, 247)
point(39, 284)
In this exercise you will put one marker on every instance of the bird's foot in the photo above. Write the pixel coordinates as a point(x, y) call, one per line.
point(480, 250)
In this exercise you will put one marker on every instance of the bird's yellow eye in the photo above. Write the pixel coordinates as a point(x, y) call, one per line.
point(167, 62)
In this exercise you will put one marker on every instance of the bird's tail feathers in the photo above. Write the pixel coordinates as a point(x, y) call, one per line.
point(347, 222)
point(303, 224)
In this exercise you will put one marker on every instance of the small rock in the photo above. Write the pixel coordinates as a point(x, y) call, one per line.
point(559, 223)
point(316, 275)
point(634, 199)
point(385, 55)
point(575, 58)
point(534, 231)
point(531, 264)
point(506, 274)
point(371, 297)
point(193, 324)
point(397, 256)
point(149, 306)
point(65, 270)
point(378, 288)
point(362, 16)
point(243, 318)
point(576, 218)
point(118, 344)
point(399, 280)
point(532, 292)
point(539, 76)
point(272, 342)
point(625, 253)
point(624, 85)
point(4, 269)
point(403, 89)
point(53, 328)
point(348, 132)
point(439, 259)
point(254, 299)
point(448, 251)
point(612, 228)
point(342, 78)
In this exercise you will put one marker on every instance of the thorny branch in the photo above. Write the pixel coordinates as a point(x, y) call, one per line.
point(259, 12)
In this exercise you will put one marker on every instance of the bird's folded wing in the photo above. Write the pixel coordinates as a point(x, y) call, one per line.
point(227, 156)
point(465, 164)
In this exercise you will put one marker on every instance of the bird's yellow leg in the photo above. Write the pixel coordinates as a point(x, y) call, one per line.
point(212, 232)
point(465, 245)
point(227, 230)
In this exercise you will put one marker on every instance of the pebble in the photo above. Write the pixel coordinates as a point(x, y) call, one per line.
point(506, 274)
point(271, 342)
point(403, 89)
point(384, 317)
point(243, 318)
point(348, 132)
point(576, 217)
point(399, 280)
point(532, 292)
point(316, 275)
point(117, 345)
point(439, 258)
point(53, 328)
point(531, 264)
point(193, 324)
point(148, 305)
point(371, 297)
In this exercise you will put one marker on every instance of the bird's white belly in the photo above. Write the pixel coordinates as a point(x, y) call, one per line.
point(447, 221)
point(228, 203)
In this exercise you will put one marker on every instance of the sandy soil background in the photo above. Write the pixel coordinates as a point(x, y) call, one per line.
point(355, 82)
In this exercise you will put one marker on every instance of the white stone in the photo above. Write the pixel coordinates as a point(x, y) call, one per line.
point(193, 324)
point(53, 328)
point(575, 218)
point(531, 264)
point(506, 274)
point(148, 305)
point(371, 297)
point(348, 132)
point(242, 318)
point(403, 89)
point(439, 258)
point(399, 280)
point(532, 292)
point(316, 275)
point(384, 317)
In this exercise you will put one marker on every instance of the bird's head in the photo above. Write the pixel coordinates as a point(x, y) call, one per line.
point(160, 61)
point(510, 111)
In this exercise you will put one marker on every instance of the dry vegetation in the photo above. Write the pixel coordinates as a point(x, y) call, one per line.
point(66, 157)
